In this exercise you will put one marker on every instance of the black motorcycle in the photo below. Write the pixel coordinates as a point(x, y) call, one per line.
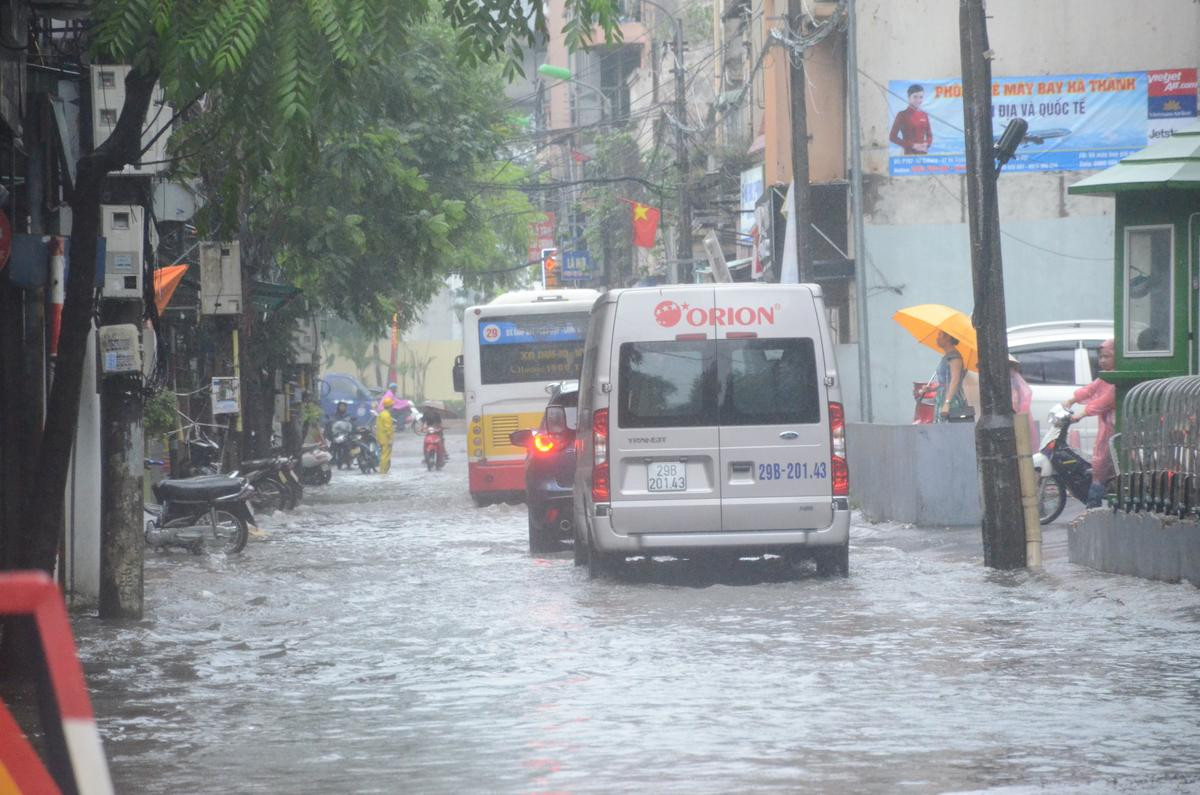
point(206, 512)
point(276, 486)
point(365, 449)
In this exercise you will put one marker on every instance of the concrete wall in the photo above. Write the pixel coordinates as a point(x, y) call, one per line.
point(918, 474)
point(82, 559)
point(1142, 545)
point(918, 264)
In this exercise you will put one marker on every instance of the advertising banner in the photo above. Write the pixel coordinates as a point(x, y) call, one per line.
point(1077, 122)
point(541, 235)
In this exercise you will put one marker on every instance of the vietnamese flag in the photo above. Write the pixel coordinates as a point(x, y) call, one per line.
point(645, 224)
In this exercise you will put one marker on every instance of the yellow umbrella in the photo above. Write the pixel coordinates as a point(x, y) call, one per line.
point(926, 320)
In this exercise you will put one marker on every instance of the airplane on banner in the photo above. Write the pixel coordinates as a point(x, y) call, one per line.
point(1039, 137)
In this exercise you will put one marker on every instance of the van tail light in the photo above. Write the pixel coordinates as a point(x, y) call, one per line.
point(544, 443)
point(838, 467)
point(600, 489)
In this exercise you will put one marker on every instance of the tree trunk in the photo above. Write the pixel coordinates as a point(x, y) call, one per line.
point(44, 505)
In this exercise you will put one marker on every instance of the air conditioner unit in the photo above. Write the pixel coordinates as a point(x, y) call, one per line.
point(121, 225)
point(108, 97)
point(220, 278)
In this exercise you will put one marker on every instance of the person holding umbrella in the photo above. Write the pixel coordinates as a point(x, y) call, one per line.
point(951, 402)
point(949, 332)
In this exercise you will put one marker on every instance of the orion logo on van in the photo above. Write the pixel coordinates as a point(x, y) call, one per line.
point(668, 314)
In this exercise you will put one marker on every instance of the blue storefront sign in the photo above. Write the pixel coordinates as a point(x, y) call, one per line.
point(577, 265)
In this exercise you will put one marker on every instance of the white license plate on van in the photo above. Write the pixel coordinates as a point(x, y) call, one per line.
point(666, 476)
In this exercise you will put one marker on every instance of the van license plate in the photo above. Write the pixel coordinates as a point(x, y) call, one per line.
point(666, 476)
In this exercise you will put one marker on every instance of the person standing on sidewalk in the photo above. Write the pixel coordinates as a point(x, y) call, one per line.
point(384, 431)
point(1099, 400)
point(951, 402)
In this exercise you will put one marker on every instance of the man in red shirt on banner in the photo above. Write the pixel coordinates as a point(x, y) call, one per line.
point(911, 128)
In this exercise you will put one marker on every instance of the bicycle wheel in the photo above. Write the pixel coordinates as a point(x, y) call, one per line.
point(1052, 498)
point(228, 534)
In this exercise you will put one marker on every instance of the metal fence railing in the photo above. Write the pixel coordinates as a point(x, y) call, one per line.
point(1158, 449)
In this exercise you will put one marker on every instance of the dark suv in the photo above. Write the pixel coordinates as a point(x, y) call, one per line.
point(550, 469)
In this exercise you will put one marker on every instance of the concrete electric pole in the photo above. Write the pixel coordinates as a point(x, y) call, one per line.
point(800, 188)
point(684, 252)
point(995, 438)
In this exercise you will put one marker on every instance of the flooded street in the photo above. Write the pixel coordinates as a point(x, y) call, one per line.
point(388, 636)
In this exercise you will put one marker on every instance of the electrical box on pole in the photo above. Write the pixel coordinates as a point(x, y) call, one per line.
point(121, 225)
point(220, 278)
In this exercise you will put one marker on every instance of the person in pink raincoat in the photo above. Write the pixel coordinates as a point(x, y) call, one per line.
point(1022, 398)
point(1098, 399)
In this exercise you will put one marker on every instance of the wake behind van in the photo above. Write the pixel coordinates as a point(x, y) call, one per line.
point(710, 419)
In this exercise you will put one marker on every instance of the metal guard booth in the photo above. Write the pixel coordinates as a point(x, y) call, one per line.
point(1156, 259)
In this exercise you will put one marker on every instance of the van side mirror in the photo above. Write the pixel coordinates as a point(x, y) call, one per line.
point(457, 374)
point(556, 419)
point(520, 438)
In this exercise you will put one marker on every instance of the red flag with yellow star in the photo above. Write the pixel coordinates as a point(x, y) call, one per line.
point(645, 224)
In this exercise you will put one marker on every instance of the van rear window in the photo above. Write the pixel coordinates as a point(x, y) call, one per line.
point(678, 384)
point(768, 382)
point(669, 384)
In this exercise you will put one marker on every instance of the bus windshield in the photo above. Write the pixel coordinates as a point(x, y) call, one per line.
point(514, 349)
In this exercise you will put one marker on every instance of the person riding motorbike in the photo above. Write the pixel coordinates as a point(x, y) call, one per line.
point(384, 431)
point(431, 422)
point(1098, 399)
point(340, 417)
point(390, 393)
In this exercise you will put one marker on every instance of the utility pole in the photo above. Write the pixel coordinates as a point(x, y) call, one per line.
point(122, 544)
point(995, 438)
point(800, 189)
point(684, 245)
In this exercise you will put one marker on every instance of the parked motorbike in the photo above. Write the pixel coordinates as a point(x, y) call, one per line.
point(434, 449)
point(205, 512)
point(204, 454)
point(316, 464)
point(415, 417)
point(364, 449)
point(276, 486)
point(1060, 470)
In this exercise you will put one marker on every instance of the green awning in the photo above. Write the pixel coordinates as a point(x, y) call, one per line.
point(268, 297)
point(1170, 163)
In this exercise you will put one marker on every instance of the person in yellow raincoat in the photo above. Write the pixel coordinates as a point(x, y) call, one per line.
point(384, 431)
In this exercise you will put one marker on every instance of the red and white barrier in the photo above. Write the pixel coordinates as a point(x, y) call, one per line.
point(21, 770)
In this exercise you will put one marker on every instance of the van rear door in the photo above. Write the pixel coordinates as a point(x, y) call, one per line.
point(774, 417)
point(663, 416)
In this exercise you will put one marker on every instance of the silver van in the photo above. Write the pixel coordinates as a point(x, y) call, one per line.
point(710, 420)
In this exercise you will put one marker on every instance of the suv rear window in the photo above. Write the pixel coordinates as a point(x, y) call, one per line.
point(668, 384)
point(675, 384)
point(768, 382)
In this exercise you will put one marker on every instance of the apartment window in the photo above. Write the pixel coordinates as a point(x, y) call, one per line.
point(108, 117)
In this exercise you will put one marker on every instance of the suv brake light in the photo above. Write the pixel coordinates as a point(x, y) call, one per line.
point(543, 443)
point(837, 449)
point(600, 489)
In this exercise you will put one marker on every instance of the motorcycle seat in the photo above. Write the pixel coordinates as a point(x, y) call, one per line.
point(197, 489)
point(259, 463)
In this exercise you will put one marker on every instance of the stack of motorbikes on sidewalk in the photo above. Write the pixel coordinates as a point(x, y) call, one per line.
point(352, 446)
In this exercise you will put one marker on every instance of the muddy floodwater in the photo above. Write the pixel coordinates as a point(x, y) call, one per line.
point(388, 636)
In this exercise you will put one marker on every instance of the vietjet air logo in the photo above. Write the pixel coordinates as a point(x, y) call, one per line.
point(668, 314)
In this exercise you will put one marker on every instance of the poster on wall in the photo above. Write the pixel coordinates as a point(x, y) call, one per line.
point(1077, 122)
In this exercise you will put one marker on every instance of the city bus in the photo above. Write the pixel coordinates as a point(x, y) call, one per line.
point(515, 349)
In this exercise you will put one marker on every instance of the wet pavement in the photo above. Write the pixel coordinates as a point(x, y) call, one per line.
point(388, 636)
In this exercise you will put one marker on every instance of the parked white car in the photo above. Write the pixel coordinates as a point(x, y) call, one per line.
point(1056, 359)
